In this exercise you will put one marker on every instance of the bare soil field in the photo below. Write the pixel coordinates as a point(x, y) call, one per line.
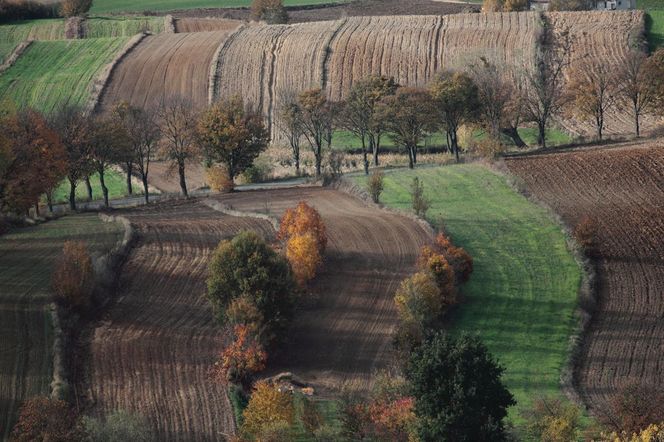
point(208, 24)
point(622, 189)
point(162, 67)
point(152, 353)
point(345, 332)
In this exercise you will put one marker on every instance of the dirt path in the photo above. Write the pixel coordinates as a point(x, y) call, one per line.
point(622, 188)
point(152, 353)
point(345, 335)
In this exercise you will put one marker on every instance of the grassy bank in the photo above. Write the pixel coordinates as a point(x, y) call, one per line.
point(115, 182)
point(522, 296)
point(105, 6)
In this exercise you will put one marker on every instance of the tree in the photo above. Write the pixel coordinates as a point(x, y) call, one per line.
point(232, 135)
point(492, 5)
point(301, 220)
point(109, 144)
point(126, 156)
point(119, 426)
point(74, 129)
point(272, 12)
point(543, 95)
point(375, 185)
point(44, 419)
point(553, 420)
point(304, 257)
point(317, 122)
point(290, 125)
point(456, 100)
point(457, 257)
point(73, 277)
point(459, 395)
point(593, 91)
point(419, 300)
point(143, 134)
point(420, 202)
point(358, 113)
point(73, 8)
point(634, 407)
point(516, 5)
point(246, 266)
point(642, 84)
point(266, 407)
point(408, 117)
point(177, 121)
point(433, 261)
point(585, 234)
point(239, 360)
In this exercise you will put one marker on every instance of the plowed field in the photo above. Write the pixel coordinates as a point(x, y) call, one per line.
point(164, 66)
point(205, 24)
point(622, 189)
point(342, 337)
point(151, 355)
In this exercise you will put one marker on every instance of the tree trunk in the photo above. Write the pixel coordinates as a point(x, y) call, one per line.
point(637, 124)
point(513, 133)
point(144, 178)
point(375, 146)
point(411, 165)
point(49, 201)
point(318, 154)
point(447, 141)
point(88, 187)
point(455, 144)
point(183, 181)
point(130, 167)
point(541, 136)
point(102, 183)
point(37, 209)
point(296, 157)
point(415, 154)
point(72, 195)
point(365, 158)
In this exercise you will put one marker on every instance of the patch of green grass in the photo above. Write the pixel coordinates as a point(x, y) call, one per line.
point(655, 29)
point(5, 50)
point(27, 257)
point(45, 29)
point(522, 296)
point(102, 27)
point(54, 73)
point(328, 409)
point(554, 137)
point(105, 6)
point(115, 182)
point(649, 5)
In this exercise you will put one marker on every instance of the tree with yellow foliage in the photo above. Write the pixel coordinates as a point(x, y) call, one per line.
point(301, 220)
point(304, 257)
point(418, 299)
point(267, 407)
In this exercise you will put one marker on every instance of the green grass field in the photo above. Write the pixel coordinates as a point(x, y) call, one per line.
point(115, 182)
point(654, 21)
point(47, 29)
point(54, 73)
point(102, 27)
point(27, 257)
point(5, 50)
point(522, 296)
point(105, 6)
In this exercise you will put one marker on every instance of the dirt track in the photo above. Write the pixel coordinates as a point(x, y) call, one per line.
point(165, 66)
point(346, 334)
point(151, 355)
point(622, 189)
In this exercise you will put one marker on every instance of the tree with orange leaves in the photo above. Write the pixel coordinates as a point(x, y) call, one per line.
point(42, 419)
point(268, 406)
point(301, 220)
point(73, 277)
point(242, 358)
point(304, 257)
point(459, 259)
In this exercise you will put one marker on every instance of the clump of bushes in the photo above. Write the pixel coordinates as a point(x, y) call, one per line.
point(375, 185)
point(420, 202)
point(218, 179)
point(118, 426)
point(74, 8)
point(272, 12)
point(12, 10)
point(585, 234)
point(42, 418)
point(72, 280)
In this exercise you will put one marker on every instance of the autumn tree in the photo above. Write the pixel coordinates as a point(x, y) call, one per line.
point(74, 130)
point(593, 91)
point(290, 125)
point(433, 261)
point(543, 94)
point(459, 394)
point(177, 120)
point(73, 8)
point(642, 80)
point(457, 257)
point(585, 233)
point(408, 116)
point(232, 134)
point(247, 267)
point(553, 420)
point(358, 113)
point(317, 122)
point(375, 185)
point(456, 99)
point(302, 220)
point(266, 407)
point(304, 256)
point(45, 419)
point(143, 133)
point(418, 299)
point(240, 359)
point(109, 144)
point(73, 277)
point(633, 407)
point(271, 11)
point(516, 5)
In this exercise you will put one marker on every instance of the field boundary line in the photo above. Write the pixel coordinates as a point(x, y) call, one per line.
point(16, 53)
point(103, 79)
point(213, 76)
point(225, 209)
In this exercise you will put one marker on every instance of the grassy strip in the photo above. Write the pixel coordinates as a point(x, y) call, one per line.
point(5, 50)
point(54, 73)
point(522, 296)
point(115, 182)
point(104, 6)
point(655, 29)
point(47, 29)
point(103, 27)
point(27, 257)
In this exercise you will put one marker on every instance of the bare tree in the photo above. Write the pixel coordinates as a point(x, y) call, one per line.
point(178, 121)
point(109, 143)
point(290, 124)
point(317, 122)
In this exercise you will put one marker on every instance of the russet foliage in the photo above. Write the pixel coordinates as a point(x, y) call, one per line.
point(243, 357)
point(73, 277)
point(44, 419)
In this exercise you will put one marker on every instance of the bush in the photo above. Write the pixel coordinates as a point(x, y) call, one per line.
point(301, 220)
point(552, 420)
point(239, 401)
point(420, 202)
point(436, 264)
point(585, 234)
point(336, 160)
point(375, 185)
point(12, 10)
point(268, 406)
point(45, 419)
point(327, 433)
point(634, 407)
point(418, 299)
point(243, 357)
point(304, 257)
point(73, 8)
point(271, 11)
point(219, 180)
point(457, 257)
point(242, 311)
point(119, 426)
point(73, 277)
point(489, 148)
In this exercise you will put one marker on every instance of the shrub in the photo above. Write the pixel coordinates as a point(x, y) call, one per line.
point(219, 180)
point(243, 357)
point(73, 277)
point(420, 202)
point(301, 220)
point(489, 148)
point(418, 299)
point(12, 10)
point(585, 234)
point(73, 8)
point(45, 419)
point(441, 270)
point(119, 426)
point(267, 407)
point(242, 311)
point(271, 11)
point(457, 257)
point(303, 255)
point(336, 160)
point(552, 420)
point(375, 185)
point(246, 266)
point(634, 407)
point(652, 433)
point(327, 433)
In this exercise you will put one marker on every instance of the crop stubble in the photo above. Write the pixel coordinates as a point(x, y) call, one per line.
point(622, 189)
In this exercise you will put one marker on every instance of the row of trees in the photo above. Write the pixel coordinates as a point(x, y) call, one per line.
point(12, 10)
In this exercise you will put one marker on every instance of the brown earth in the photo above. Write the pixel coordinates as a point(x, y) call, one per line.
point(164, 66)
point(186, 24)
point(344, 334)
point(152, 353)
point(166, 179)
point(622, 189)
